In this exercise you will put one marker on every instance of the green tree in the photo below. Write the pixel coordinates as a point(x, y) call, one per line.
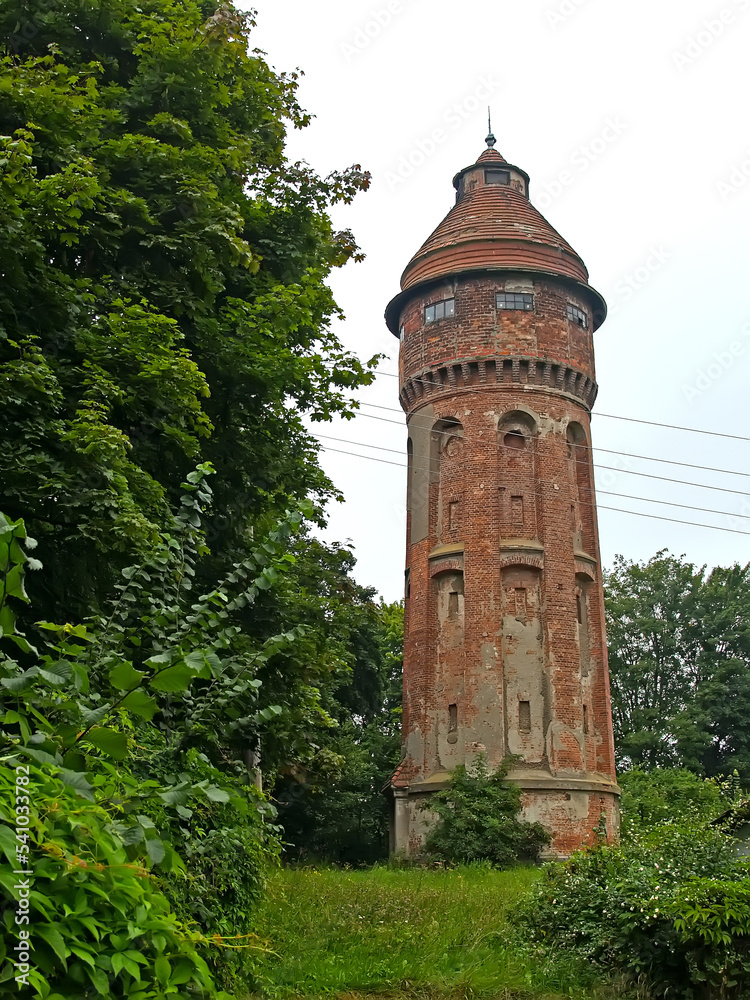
point(712, 733)
point(330, 797)
point(665, 795)
point(164, 296)
point(679, 654)
point(653, 653)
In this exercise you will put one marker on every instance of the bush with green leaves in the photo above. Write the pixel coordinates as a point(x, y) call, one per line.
point(670, 908)
point(226, 842)
point(478, 819)
point(99, 924)
point(136, 725)
point(661, 794)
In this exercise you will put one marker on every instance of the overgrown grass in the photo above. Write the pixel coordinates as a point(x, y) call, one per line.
point(403, 932)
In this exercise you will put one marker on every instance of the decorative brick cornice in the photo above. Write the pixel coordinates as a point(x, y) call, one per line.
point(446, 565)
point(521, 553)
point(532, 560)
point(484, 373)
point(585, 565)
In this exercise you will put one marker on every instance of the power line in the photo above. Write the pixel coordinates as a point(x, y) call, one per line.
point(675, 427)
point(672, 503)
point(608, 451)
point(670, 461)
point(667, 479)
point(624, 496)
point(674, 520)
point(608, 468)
point(635, 513)
point(609, 416)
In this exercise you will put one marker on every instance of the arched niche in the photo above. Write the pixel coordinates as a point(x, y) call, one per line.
point(579, 461)
point(576, 436)
point(446, 472)
point(516, 430)
point(448, 590)
point(516, 438)
point(446, 440)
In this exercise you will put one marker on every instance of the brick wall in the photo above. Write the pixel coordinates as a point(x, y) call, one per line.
point(505, 648)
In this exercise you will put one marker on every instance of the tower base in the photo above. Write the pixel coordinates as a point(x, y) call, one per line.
point(577, 811)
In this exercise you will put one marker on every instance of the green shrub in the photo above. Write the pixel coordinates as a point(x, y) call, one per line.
point(108, 719)
point(713, 920)
point(478, 819)
point(651, 797)
point(224, 841)
point(97, 920)
point(634, 908)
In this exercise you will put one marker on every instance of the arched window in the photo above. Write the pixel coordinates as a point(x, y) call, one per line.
point(517, 430)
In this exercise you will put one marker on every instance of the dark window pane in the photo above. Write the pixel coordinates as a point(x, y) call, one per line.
point(515, 300)
point(496, 177)
point(577, 315)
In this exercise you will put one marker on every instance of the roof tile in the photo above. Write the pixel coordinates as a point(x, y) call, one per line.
point(493, 227)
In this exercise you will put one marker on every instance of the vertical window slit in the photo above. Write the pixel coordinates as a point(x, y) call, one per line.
point(521, 604)
point(524, 716)
point(452, 723)
point(453, 515)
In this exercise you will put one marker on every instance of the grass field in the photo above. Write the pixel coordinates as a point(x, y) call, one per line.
point(402, 932)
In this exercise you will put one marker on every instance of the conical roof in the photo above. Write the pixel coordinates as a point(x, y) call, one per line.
point(493, 226)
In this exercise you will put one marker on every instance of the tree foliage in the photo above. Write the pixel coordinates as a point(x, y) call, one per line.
point(679, 653)
point(163, 297)
point(142, 714)
point(331, 801)
point(663, 795)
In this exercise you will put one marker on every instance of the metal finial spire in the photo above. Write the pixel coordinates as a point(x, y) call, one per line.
point(490, 140)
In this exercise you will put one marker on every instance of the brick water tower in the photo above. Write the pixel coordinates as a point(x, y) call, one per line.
point(505, 647)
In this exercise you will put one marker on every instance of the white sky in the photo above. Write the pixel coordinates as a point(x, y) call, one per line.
point(643, 204)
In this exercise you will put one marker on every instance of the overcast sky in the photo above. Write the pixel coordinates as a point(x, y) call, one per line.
point(631, 118)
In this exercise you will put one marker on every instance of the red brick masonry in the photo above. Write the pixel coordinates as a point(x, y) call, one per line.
point(505, 647)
